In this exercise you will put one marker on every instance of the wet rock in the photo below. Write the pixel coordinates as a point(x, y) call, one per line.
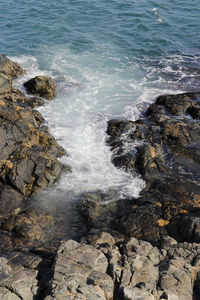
point(181, 132)
point(126, 161)
point(31, 224)
point(151, 160)
point(17, 97)
point(117, 127)
point(10, 68)
point(10, 201)
point(28, 160)
point(181, 104)
point(42, 86)
point(97, 209)
point(8, 71)
point(140, 222)
point(167, 145)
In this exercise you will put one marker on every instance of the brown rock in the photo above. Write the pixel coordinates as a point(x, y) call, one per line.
point(42, 86)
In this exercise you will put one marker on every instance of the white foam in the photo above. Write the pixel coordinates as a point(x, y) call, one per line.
point(78, 119)
point(90, 92)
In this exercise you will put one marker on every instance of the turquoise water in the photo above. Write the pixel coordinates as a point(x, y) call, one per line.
point(110, 59)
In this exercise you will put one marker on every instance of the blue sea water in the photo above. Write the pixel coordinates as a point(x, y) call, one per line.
point(110, 59)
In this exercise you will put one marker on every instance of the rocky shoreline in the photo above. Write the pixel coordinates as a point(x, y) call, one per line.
point(146, 248)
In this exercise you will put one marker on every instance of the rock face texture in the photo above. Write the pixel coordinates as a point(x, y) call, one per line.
point(18, 276)
point(80, 273)
point(111, 267)
point(166, 155)
point(42, 86)
point(28, 162)
point(135, 249)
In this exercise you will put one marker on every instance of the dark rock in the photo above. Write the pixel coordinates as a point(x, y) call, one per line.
point(29, 153)
point(167, 142)
point(8, 71)
point(151, 160)
point(181, 132)
point(126, 161)
point(181, 103)
point(10, 68)
point(31, 224)
point(42, 86)
point(141, 222)
point(10, 201)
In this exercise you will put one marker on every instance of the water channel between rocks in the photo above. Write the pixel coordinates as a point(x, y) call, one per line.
point(88, 95)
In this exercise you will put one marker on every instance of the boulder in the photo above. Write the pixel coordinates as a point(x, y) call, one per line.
point(42, 86)
point(80, 273)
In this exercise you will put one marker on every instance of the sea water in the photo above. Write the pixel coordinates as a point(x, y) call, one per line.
point(110, 59)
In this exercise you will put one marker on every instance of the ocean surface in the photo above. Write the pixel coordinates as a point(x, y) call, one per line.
point(110, 60)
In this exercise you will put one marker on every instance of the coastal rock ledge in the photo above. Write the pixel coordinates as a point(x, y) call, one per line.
point(135, 249)
point(28, 161)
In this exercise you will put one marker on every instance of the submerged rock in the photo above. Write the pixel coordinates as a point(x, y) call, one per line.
point(42, 86)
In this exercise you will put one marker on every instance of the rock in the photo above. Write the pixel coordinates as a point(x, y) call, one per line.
point(178, 280)
point(97, 208)
point(181, 104)
point(98, 237)
point(28, 159)
point(126, 161)
point(166, 153)
point(5, 84)
point(42, 86)
point(8, 71)
point(18, 273)
point(17, 97)
point(80, 273)
point(31, 224)
point(10, 68)
point(137, 293)
point(10, 201)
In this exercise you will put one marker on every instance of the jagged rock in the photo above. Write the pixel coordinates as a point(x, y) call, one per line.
point(167, 157)
point(18, 273)
point(181, 103)
point(140, 222)
point(10, 68)
point(28, 159)
point(97, 209)
point(10, 201)
point(17, 97)
point(42, 86)
point(8, 71)
point(126, 161)
point(32, 224)
point(80, 273)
